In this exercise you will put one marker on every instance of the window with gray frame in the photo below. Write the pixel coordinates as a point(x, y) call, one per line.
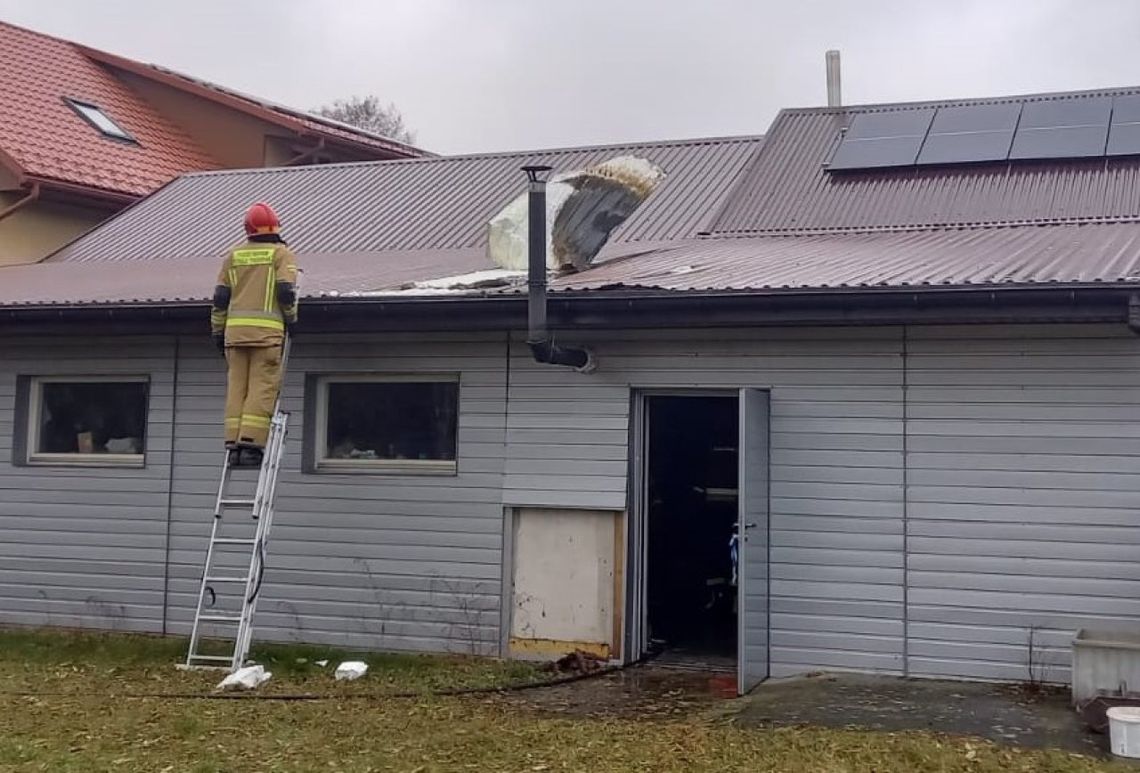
point(404, 424)
point(86, 420)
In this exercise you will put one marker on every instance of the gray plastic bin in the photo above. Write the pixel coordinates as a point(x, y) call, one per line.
point(1105, 663)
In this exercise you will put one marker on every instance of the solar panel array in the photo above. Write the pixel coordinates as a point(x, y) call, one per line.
point(1081, 127)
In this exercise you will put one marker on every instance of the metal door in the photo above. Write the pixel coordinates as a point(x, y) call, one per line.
point(752, 528)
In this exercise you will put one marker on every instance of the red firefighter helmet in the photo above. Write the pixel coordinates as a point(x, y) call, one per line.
point(261, 219)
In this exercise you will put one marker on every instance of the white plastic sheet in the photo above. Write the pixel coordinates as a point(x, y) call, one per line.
point(351, 669)
point(247, 678)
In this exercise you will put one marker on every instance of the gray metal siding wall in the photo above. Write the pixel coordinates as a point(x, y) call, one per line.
point(85, 546)
point(1024, 471)
point(364, 560)
point(836, 468)
point(1022, 452)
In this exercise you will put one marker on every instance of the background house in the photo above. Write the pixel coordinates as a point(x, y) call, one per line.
point(892, 341)
point(84, 133)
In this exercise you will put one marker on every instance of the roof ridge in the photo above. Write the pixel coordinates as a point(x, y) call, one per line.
point(722, 140)
point(277, 106)
point(964, 101)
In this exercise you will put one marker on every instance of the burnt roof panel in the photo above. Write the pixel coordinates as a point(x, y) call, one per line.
point(417, 204)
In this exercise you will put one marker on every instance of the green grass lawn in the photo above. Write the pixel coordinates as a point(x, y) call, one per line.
point(82, 721)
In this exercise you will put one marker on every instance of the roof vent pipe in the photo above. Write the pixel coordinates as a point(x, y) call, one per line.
point(538, 338)
point(833, 95)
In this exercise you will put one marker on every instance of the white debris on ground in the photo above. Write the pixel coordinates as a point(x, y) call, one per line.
point(582, 210)
point(247, 678)
point(351, 669)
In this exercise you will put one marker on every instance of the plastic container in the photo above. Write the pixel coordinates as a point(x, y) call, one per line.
point(1124, 731)
point(1105, 663)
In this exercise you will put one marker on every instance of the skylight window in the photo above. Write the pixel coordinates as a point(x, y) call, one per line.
point(95, 116)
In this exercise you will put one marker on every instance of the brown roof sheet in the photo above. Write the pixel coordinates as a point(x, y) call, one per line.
point(1061, 255)
point(984, 257)
point(420, 204)
point(191, 279)
point(788, 190)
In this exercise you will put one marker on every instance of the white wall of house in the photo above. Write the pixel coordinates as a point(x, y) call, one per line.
point(939, 495)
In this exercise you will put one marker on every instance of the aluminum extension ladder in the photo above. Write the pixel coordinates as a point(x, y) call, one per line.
point(236, 613)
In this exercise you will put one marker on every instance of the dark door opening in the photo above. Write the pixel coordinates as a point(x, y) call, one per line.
point(691, 512)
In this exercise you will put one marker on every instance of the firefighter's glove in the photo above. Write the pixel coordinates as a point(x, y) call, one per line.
point(220, 343)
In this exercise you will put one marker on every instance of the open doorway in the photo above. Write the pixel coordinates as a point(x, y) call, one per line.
point(690, 512)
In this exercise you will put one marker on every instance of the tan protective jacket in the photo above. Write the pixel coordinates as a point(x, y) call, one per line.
point(255, 295)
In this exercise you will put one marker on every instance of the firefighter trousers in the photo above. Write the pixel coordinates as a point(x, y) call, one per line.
point(251, 392)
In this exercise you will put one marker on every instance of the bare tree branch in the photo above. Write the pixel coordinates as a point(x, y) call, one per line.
point(369, 114)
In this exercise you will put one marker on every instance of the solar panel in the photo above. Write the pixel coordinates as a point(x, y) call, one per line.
point(1062, 128)
point(886, 139)
point(1124, 133)
point(1126, 109)
point(970, 133)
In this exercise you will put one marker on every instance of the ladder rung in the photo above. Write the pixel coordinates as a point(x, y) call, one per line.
point(234, 541)
point(224, 658)
point(237, 502)
point(221, 618)
point(227, 579)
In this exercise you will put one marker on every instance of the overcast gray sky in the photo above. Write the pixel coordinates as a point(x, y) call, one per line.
point(475, 75)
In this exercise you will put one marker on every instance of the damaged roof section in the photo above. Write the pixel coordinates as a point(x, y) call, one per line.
point(745, 215)
point(420, 204)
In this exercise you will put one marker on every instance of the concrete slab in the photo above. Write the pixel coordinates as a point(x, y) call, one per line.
point(1010, 714)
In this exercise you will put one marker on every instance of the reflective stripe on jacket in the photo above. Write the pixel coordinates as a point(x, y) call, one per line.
point(255, 295)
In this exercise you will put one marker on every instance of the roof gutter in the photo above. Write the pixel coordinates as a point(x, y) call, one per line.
point(33, 195)
point(114, 197)
point(586, 311)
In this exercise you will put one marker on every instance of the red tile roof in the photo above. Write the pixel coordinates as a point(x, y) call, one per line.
point(43, 138)
point(290, 118)
point(46, 139)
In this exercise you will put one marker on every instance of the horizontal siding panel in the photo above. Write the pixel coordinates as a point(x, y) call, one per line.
point(1021, 449)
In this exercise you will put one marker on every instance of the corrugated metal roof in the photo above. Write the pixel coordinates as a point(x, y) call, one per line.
point(1069, 255)
point(420, 204)
point(787, 188)
point(1023, 255)
point(191, 279)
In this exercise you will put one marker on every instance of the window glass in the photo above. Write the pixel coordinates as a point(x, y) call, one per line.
point(101, 121)
point(409, 422)
point(99, 417)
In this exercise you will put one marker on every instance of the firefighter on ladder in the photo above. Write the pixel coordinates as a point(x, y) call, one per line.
point(255, 304)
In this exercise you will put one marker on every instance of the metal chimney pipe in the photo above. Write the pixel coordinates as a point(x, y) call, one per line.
point(538, 338)
point(833, 92)
point(536, 252)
